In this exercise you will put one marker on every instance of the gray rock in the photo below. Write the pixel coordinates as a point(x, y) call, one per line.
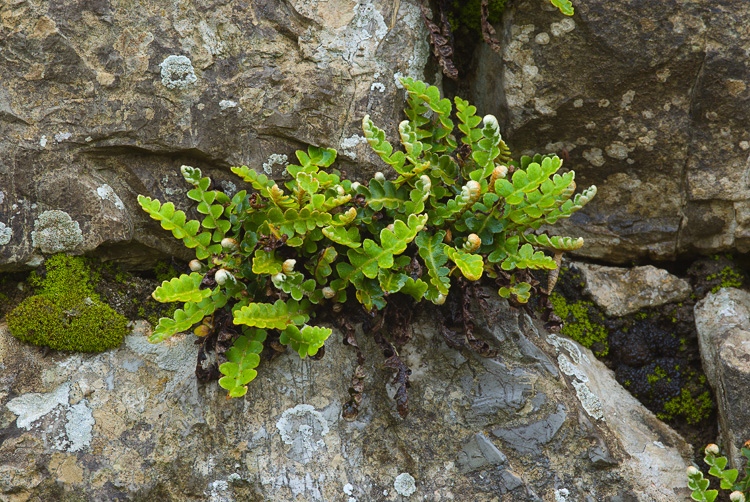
point(529, 438)
point(621, 291)
point(653, 113)
point(93, 96)
point(134, 423)
point(479, 452)
point(723, 323)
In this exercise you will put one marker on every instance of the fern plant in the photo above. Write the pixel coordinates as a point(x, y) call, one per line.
point(727, 477)
point(273, 255)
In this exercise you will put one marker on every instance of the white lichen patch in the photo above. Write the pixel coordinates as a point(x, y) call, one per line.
point(32, 407)
point(2, 196)
point(594, 156)
point(273, 160)
point(377, 86)
point(562, 27)
point(567, 367)
point(349, 144)
point(303, 427)
point(43, 141)
point(618, 150)
point(6, 233)
point(404, 484)
point(627, 99)
point(78, 426)
point(224, 104)
point(228, 187)
point(561, 495)
point(177, 72)
point(590, 402)
point(663, 75)
point(106, 192)
point(578, 103)
point(68, 428)
point(55, 231)
point(542, 38)
point(62, 136)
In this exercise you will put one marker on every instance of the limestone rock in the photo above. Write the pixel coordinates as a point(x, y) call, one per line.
point(621, 291)
point(134, 424)
point(723, 323)
point(100, 103)
point(645, 100)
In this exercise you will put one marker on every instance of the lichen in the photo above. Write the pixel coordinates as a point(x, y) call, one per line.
point(55, 232)
point(405, 484)
point(66, 313)
point(5, 233)
point(580, 324)
point(177, 72)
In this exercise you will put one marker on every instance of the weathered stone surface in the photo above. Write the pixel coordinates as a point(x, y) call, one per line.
point(133, 424)
point(649, 101)
point(621, 291)
point(723, 323)
point(100, 102)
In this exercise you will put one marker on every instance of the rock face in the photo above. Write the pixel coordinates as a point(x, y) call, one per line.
point(544, 421)
point(648, 100)
point(723, 323)
point(100, 102)
point(621, 291)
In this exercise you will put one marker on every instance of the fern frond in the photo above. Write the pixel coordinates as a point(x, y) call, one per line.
point(185, 288)
point(242, 358)
point(277, 315)
point(305, 341)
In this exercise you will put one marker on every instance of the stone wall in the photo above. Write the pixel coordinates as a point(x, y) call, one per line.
point(648, 101)
point(101, 101)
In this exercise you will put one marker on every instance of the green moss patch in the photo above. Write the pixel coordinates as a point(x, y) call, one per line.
point(66, 313)
point(583, 323)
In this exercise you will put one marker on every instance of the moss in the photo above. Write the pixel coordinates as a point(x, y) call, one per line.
point(466, 18)
point(66, 313)
point(693, 410)
point(165, 271)
point(582, 323)
point(658, 374)
point(728, 277)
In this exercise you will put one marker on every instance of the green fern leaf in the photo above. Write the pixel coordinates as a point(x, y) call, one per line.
point(339, 235)
point(242, 358)
point(470, 265)
point(305, 341)
point(185, 288)
point(382, 194)
point(373, 256)
point(527, 258)
point(273, 316)
point(265, 262)
point(391, 282)
point(321, 268)
point(556, 242)
point(565, 6)
point(183, 319)
point(175, 221)
point(376, 138)
point(431, 250)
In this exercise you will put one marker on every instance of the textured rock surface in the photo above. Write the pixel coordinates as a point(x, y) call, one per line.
point(100, 102)
point(723, 323)
point(621, 291)
point(132, 424)
point(650, 102)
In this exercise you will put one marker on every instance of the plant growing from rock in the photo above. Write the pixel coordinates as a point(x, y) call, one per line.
point(727, 477)
point(272, 257)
